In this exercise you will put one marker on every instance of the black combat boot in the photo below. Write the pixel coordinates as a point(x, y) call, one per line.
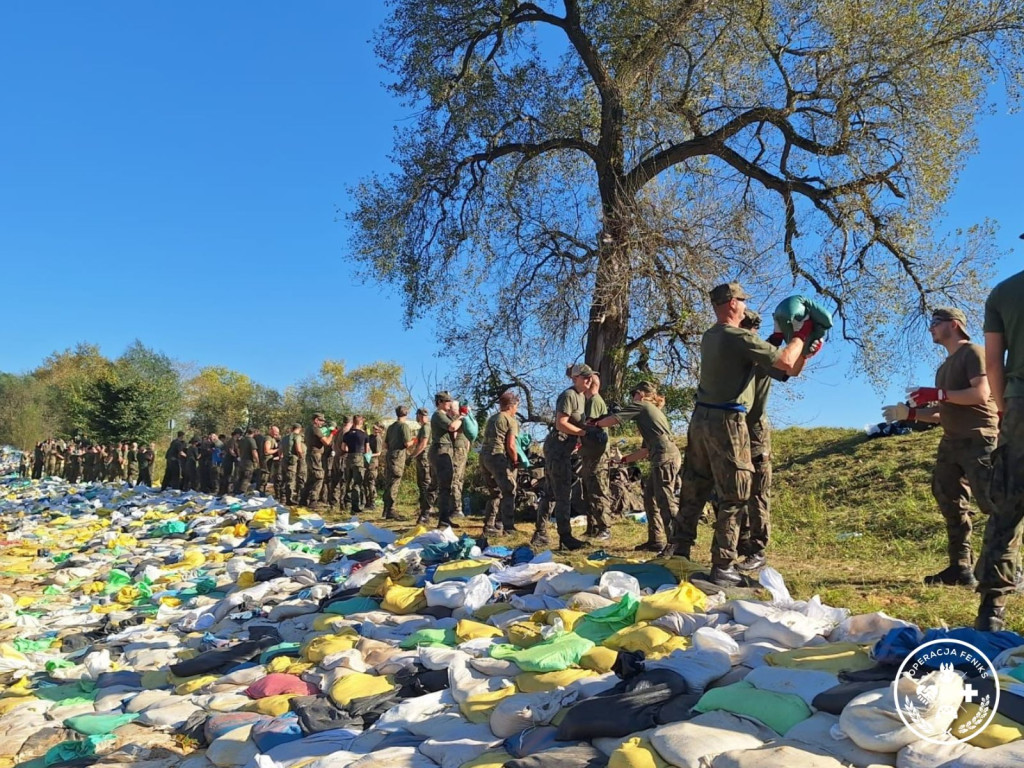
point(953, 576)
point(991, 614)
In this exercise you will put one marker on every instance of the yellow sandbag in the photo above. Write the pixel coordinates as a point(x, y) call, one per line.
point(484, 612)
point(327, 622)
point(322, 646)
point(376, 586)
point(495, 758)
point(404, 600)
point(524, 634)
point(685, 598)
point(1002, 730)
point(599, 659)
point(474, 630)
point(190, 561)
point(246, 579)
point(128, 595)
point(20, 689)
point(263, 518)
point(280, 663)
point(636, 752)
point(193, 684)
point(477, 707)
point(299, 668)
point(539, 682)
point(419, 530)
point(832, 657)
point(663, 650)
point(569, 618)
point(357, 686)
point(461, 569)
point(8, 705)
point(275, 706)
point(638, 637)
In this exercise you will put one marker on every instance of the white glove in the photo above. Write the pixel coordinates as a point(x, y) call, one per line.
point(898, 412)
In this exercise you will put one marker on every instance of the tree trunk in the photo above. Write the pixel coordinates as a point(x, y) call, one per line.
point(609, 313)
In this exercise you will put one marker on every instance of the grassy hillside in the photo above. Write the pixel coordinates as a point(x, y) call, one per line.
point(854, 521)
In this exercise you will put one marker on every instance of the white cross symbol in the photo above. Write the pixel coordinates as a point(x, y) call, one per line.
point(970, 694)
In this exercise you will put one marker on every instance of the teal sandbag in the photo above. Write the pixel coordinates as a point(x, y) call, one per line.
point(650, 575)
point(796, 308)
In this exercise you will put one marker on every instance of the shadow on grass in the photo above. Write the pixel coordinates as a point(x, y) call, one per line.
point(846, 446)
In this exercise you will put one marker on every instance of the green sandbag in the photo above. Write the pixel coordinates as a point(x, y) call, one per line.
point(601, 624)
point(70, 751)
point(796, 308)
point(552, 655)
point(352, 605)
point(98, 723)
point(779, 711)
point(430, 637)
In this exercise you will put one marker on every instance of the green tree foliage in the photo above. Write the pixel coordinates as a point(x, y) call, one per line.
point(579, 172)
point(24, 418)
point(69, 378)
point(218, 400)
point(371, 390)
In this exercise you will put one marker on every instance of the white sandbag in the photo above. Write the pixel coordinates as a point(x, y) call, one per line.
point(587, 602)
point(447, 594)
point(526, 710)
point(145, 699)
point(685, 624)
point(415, 710)
point(495, 667)
point(805, 683)
point(505, 618)
point(816, 731)
point(699, 668)
point(688, 744)
point(616, 584)
point(872, 721)
point(788, 628)
point(458, 747)
point(565, 582)
point(18, 727)
point(292, 608)
point(773, 757)
point(928, 754)
point(393, 757)
point(748, 611)
point(168, 716)
point(1004, 756)
point(233, 749)
point(434, 657)
point(711, 639)
point(752, 654)
point(534, 603)
point(608, 744)
point(526, 573)
point(866, 628)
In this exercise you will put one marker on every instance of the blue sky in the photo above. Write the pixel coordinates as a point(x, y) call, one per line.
point(173, 172)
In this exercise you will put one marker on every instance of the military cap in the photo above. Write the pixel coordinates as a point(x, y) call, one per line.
point(952, 313)
point(720, 294)
point(319, 416)
point(580, 369)
point(442, 397)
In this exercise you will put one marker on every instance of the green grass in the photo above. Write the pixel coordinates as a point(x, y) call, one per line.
point(829, 484)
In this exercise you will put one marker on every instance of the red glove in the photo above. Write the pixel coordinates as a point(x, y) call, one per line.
point(776, 339)
point(814, 348)
point(804, 330)
point(463, 409)
point(924, 395)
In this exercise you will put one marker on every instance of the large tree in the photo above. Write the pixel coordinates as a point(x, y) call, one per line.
point(579, 172)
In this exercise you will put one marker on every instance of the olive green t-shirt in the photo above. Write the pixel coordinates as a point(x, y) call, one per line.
point(763, 378)
point(595, 408)
point(956, 372)
point(246, 447)
point(314, 441)
point(573, 404)
point(728, 356)
point(440, 437)
point(1004, 313)
point(653, 425)
point(496, 432)
point(398, 435)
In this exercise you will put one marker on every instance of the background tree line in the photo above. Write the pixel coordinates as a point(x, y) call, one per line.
point(81, 392)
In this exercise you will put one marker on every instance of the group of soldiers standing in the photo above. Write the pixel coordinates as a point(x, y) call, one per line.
point(81, 460)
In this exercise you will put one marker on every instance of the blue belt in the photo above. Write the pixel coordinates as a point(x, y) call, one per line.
point(734, 407)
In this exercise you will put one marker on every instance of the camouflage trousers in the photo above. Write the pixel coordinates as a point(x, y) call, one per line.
point(963, 466)
point(459, 460)
point(442, 470)
point(500, 478)
point(756, 519)
point(355, 478)
point(370, 484)
point(660, 502)
point(717, 461)
point(558, 471)
point(394, 468)
point(997, 565)
point(597, 493)
point(314, 479)
point(426, 482)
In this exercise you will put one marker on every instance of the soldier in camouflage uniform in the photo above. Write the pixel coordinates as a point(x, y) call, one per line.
point(444, 428)
point(718, 458)
point(594, 467)
point(376, 447)
point(459, 460)
point(133, 463)
point(1004, 358)
point(426, 480)
point(961, 401)
point(293, 464)
point(315, 442)
point(399, 442)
